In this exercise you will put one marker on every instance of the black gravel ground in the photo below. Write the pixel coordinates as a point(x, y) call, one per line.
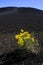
point(10, 55)
point(21, 57)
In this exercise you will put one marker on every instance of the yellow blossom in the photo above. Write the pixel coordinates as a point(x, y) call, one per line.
point(29, 35)
point(25, 33)
point(21, 34)
point(20, 41)
point(25, 38)
point(33, 39)
point(17, 36)
point(22, 30)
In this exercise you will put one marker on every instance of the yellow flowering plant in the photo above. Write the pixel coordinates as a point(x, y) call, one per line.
point(26, 40)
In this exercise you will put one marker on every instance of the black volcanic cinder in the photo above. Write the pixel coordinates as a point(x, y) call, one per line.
point(13, 18)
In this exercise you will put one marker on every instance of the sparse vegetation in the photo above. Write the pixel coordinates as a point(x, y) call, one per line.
point(27, 41)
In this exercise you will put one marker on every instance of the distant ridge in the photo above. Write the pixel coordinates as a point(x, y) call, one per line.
point(6, 9)
point(21, 9)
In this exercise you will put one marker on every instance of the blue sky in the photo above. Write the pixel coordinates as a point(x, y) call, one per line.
point(22, 3)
